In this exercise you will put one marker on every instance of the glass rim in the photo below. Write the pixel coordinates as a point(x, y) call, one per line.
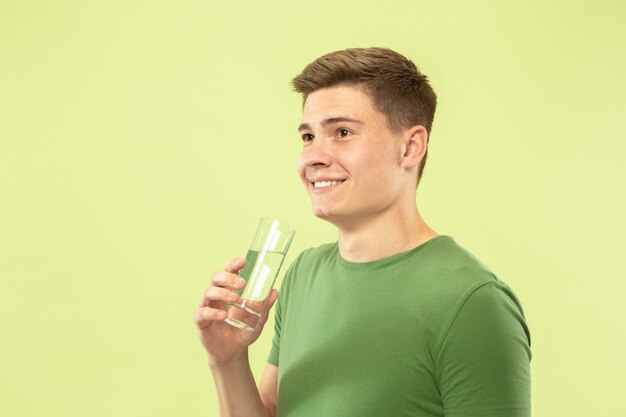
point(267, 219)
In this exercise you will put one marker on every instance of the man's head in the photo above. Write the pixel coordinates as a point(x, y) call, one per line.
point(393, 83)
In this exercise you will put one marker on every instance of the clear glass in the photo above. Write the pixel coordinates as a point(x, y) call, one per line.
point(263, 261)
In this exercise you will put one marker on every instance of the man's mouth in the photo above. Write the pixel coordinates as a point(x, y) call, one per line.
point(324, 184)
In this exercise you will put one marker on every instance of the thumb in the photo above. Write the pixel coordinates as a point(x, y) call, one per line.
point(270, 302)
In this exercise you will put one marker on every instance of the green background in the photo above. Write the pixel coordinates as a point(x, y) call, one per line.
point(141, 141)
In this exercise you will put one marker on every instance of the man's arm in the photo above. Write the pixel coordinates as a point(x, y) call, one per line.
point(227, 347)
point(268, 389)
point(237, 393)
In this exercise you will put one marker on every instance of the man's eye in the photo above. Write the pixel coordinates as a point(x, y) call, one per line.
point(307, 137)
point(342, 133)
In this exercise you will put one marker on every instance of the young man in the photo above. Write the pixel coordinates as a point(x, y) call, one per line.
point(393, 319)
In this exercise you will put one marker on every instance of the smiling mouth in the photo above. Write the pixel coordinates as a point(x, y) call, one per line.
point(326, 184)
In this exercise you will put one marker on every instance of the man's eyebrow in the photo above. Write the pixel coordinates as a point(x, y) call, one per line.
point(304, 126)
point(330, 121)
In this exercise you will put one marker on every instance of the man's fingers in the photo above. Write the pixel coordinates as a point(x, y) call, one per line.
point(234, 265)
point(217, 296)
point(203, 316)
point(228, 279)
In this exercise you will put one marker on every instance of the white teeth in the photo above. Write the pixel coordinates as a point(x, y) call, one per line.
point(322, 184)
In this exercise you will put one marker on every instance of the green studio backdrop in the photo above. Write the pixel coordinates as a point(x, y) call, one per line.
point(141, 141)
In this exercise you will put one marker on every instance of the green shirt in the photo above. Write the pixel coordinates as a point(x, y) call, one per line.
point(427, 332)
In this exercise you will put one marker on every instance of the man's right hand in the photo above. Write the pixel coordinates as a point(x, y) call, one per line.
point(222, 341)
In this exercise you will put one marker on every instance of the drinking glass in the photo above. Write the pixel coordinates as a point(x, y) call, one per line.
point(263, 261)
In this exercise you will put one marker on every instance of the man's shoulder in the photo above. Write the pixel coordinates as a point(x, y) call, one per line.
point(446, 254)
point(445, 276)
point(450, 266)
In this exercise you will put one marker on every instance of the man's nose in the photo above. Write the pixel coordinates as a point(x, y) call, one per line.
point(315, 154)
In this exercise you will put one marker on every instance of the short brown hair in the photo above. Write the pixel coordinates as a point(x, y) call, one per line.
point(397, 88)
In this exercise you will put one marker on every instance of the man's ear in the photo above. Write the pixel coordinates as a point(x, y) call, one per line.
point(415, 143)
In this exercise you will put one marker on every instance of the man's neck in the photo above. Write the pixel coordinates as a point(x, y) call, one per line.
point(384, 236)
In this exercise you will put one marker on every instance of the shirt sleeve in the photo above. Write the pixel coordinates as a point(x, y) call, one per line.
point(275, 349)
point(483, 366)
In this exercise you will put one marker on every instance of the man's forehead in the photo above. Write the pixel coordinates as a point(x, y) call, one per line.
point(335, 104)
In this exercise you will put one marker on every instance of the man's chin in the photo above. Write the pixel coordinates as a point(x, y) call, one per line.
point(322, 213)
point(333, 217)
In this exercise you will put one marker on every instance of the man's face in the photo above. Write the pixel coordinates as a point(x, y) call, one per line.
point(347, 141)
